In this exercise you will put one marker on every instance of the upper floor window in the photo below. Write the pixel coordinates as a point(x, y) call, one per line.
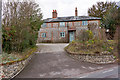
point(84, 22)
point(62, 34)
point(62, 24)
point(70, 24)
point(49, 24)
point(76, 23)
point(43, 35)
point(44, 25)
point(55, 24)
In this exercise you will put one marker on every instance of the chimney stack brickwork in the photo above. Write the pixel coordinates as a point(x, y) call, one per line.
point(54, 14)
point(76, 12)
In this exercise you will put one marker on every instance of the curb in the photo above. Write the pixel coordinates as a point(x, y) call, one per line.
point(23, 62)
point(95, 71)
point(29, 59)
point(102, 63)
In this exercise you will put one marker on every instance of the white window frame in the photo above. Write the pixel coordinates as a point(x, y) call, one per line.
point(84, 23)
point(62, 34)
point(55, 24)
point(70, 24)
point(76, 23)
point(49, 25)
point(43, 35)
point(62, 24)
point(44, 25)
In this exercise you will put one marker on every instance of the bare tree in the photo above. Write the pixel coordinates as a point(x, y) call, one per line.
point(100, 9)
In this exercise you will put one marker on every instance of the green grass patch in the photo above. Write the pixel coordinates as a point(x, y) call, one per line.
point(92, 47)
point(14, 56)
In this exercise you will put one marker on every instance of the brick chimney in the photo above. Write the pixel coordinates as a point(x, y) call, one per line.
point(76, 12)
point(54, 14)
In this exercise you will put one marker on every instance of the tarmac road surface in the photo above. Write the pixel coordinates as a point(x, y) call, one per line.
point(51, 61)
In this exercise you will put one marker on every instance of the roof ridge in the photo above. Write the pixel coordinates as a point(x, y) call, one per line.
point(71, 18)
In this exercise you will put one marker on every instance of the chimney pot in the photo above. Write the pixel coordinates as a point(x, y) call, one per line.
point(55, 11)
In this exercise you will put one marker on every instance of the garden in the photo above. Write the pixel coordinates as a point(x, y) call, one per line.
point(19, 29)
point(94, 47)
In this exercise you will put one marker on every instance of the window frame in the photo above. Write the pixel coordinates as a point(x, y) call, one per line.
point(62, 34)
point(62, 24)
point(77, 24)
point(43, 35)
point(54, 24)
point(44, 25)
point(70, 24)
point(49, 24)
point(84, 23)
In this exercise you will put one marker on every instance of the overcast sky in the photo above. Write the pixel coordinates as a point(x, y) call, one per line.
point(66, 7)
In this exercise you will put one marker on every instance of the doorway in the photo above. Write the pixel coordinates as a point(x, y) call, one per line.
point(71, 36)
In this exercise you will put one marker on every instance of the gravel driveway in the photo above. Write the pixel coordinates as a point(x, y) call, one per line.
point(43, 48)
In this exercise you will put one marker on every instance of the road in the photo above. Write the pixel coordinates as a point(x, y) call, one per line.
point(51, 61)
point(105, 73)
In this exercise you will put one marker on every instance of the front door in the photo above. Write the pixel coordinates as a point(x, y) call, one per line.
point(71, 36)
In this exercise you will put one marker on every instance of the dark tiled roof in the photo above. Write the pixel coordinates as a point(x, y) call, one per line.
point(71, 18)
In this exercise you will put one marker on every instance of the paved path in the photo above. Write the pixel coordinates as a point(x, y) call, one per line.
point(52, 62)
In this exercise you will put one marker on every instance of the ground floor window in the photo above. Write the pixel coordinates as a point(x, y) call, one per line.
point(43, 35)
point(62, 34)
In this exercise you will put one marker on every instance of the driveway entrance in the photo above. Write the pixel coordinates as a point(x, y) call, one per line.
point(51, 61)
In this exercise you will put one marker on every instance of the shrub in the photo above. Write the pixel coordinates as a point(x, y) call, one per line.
point(20, 29)
point(90, 34)
point(86, 35)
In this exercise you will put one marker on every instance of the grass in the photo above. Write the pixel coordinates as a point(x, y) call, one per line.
point(14, 56)
point(92, 47)
point(4, 57)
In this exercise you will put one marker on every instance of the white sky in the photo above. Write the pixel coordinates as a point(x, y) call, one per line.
point(66, 7)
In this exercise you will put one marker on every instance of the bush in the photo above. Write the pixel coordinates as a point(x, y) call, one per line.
point(20, 29)
point(86, 35)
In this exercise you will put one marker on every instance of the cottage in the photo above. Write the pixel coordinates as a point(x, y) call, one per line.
point(64, 29)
